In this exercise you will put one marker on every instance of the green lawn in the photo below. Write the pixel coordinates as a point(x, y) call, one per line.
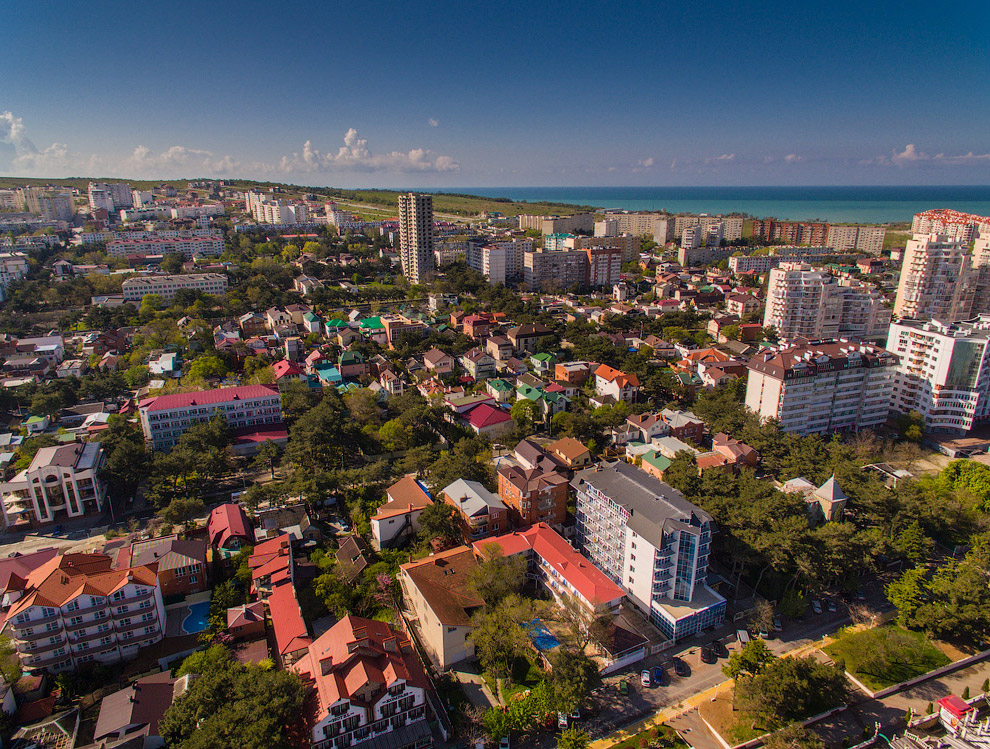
point(884, 656)
point(668, 737)
point(525, 675)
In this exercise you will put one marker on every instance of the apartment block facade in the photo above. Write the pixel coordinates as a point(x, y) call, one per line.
point(943, 372)
point(416, 241)
point(955, 225)
point(210, 246)
point(167, 286)
point(647, 538)
point(76, 609)
point(809, 302)
point(165, 418)
point(936, 279)
point(822, 387)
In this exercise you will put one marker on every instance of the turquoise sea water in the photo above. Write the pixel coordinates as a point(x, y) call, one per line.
point(841, 204)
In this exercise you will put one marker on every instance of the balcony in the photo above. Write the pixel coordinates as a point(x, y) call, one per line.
point(33, 622)
point(135, 626)
point(38, 635)
point(50, 660)
point(90, 637)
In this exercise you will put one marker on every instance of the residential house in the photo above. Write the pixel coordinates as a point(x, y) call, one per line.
point(574, 372)
point(179, 564)
point(741, 305)
point(533, 495)
point(353, 556)
point(271, 565)
point(438, 362)
point(611, 382)
point(476, 326)
point(532, 455)
point(397, 521)
point(306, 284)
point(825, 503)
point(289, 629)
point(292, 519)
point(683, 425)
point(369, 688)
point(570, 452)
point(543, 364)
point(392, 383)
point(738, 453)
point(439, 590)
point(352, 365)
point(488, 421)
point(499, 347)
point(247, 621)
point(648, 425)
point(482, 513)
point(501, 390)
point(526, 338)
point(61, 482)
point(130, 716)
point(229, 530)
point(478, 364)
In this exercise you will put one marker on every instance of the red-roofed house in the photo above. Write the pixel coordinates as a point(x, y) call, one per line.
point(166, 417)
point(247, 621)
point(489, 421)
point(229, 530)
point(476, 326)
point(292, 639)
point(369, 688)
point(398, 519)
point(611, 381)
point(287, 371)
point(561, 569)
point(271, 565)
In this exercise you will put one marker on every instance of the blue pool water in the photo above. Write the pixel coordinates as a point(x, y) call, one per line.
point(198, 618)
point(540, 635)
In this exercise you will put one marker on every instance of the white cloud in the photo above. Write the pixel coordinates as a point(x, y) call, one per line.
point(433, 121)
point(646, 163)
point(178, 160)
point(355, 156)
point(725, 157)
point(908, 155)
point(793, 158)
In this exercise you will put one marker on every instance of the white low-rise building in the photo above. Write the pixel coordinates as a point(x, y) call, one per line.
point(61, 482)
point(167, 286)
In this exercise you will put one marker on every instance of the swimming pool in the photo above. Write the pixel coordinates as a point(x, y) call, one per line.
point(542, 638)
point(198, 618)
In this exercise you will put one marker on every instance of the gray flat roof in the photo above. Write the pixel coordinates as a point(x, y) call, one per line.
point(651, 503)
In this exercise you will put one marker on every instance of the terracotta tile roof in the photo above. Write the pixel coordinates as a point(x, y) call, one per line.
point(404, 496)
point(568, 448)
point(485, 416)
point(581, 574)
point(228, 521)
point(290, 630)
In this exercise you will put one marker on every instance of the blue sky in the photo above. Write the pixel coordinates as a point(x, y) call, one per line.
point(510, 93)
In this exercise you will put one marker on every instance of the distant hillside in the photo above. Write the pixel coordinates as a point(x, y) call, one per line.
point(386, 200)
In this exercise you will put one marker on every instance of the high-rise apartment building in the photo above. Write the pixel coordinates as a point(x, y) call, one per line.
point(627, 243)
point(555, 271)
point(955, 225)
point(937, 279)
point(52, 205)
point(843, 238)
point(416, 236)
point(809, 302)
point(110, 195)
point(820, 387)
point(943, 372)
point(646, 537)
point(659, 226)
point(733, 224)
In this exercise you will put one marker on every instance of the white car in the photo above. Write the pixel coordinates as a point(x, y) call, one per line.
point(644, 679)
point(816, 606)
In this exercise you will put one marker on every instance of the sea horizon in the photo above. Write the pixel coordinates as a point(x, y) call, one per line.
point(875, 204)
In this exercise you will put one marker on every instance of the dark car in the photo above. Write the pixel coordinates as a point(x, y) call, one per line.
point(659, 675)
point(681, 667)
point(719, 649)
point(708, 655)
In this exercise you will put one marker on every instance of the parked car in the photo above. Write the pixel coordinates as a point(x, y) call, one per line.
point(708, 655)
point(832, 607)
point(644, 678)
point(503, 743)
point(681, 667)
point(623, 687)
point(719, 648)
point(816, 606)
point(764, 632)
point(659, 675)
point(777, 624)
point(576, 713)
point(562, 721)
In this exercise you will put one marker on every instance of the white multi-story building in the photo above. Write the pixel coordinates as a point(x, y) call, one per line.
point(943, 372)
point(13, 265)
point(808, 302)
point(61, 482)
point(416, 236)
point(659, 226)
point(140, 198)
point(822, 387)
point(166, 286)
point(936, 279)
point(646, 537)
point(110, 196)
point(77, 609)
point(955, 225)
point(765, 261)
point(733, 225)
point(165, 418)
point(627, 243)
point(845, 238)
point(188, 247)
point(96, 237)
point(52, 205)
